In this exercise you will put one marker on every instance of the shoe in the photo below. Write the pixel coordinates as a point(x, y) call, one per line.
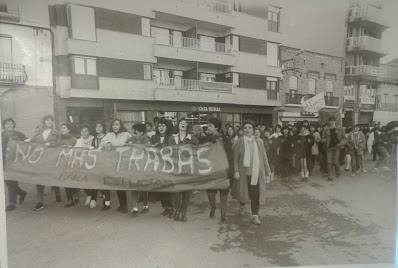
point(330, 179)
point(100, 195)
point(171, 213)
point(347, 169)
point(106, 207)
point(119, 208)
point(124, 210)
point(353, 175)
point(145, 210)
point(39, 206)
point(337, 175)
point(376, 170)
point(324, 175)
point(223, 217)
point(135, 212)
point(385, 169)
point(22, 197)
point(242, 210)
point(88, 200)
point(357, 172)
point(302, 179)
point(93, 204)
point(165, 212)
point(212, 213)
point(177, 216)
point(364, 170)
point(195, 192)
point(70, 204)
point(256, 220)
point(10, 207)
point(305, 179)
point(184, 218)
point(58, 199)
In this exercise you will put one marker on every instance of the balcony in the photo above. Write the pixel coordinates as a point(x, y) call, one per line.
point(296, 99)
point(368, 103)
point(191, 49)
point(363, 72)
point(365, 44)
point(12, 73)
point(369, 16)
point(193, 85)
point(210, 5)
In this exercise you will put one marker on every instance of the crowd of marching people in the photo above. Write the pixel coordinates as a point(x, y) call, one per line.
point(256, 156)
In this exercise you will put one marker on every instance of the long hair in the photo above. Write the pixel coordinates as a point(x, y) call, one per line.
point(233, 132)
point(168, 123)
point(121, 129)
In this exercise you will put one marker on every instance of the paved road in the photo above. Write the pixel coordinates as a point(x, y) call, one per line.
point(349, 220)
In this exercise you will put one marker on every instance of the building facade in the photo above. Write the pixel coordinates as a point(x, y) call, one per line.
point(306, 74)
point(387, 94)
point(365, 25)
point(26, 73)
point(137, 61)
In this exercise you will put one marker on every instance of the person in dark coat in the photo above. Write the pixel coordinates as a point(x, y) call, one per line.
point(271, 148)
point(286, 146)
point(215, 133)
point(9, 133)
point(305, 141)
point(164, 130)
point(181, 199)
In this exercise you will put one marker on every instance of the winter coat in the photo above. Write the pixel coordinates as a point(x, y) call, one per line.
point(315, 147)
point(118, 140)
point(383, 140)
point(340, 137)
point(350, 146)
point(155, 139)
point(189, 139)
point(286, 147)
point(97, 141)
point(85, 143)
point(240, 190)
point(6, 137)
point(304, 145)
point(52, 138)
point(142, 140)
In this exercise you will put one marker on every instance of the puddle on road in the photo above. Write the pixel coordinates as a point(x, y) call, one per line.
point(289, 220)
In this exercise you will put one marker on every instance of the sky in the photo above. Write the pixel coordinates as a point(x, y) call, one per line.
point(390, 36)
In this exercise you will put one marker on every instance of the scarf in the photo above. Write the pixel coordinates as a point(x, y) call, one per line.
point(256, 159)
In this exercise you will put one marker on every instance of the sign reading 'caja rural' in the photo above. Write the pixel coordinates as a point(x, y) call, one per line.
point(137, 167)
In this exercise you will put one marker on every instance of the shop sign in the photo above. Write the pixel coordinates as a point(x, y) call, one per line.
point(205, 109)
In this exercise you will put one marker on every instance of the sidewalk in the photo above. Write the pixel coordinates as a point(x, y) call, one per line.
point(349, 220)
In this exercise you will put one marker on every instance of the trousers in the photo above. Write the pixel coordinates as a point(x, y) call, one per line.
point(211, 195)
point(135, 196)
point(181, 201)
point(40, 192)
point(13, 191)
point(332, 156)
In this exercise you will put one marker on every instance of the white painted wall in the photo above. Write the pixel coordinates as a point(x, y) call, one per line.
point(254, 64)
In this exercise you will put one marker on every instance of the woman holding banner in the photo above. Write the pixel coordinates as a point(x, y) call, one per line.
point(161, 138)
point(251, 171)
point(117, 137)
point(181, 199)
point(215, 132)
point(14, 190)
point(45, 134)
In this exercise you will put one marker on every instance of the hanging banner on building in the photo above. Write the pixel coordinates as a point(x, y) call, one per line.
point(315, 103)
point(138, 167)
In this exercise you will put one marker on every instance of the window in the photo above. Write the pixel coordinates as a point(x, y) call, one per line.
point(272, 88)
point(237, 6)
point(82, 23)
point(234, 119)
point(349, 90)
point(84, 73)
point(129, 118)
point(235, 79)
point(5, 49)
point(329, 86)
point(312, 86)
point(385, 99)
point(147, 71)
point(293, 83)
point(272, 54)
point(207, 77)
point(273, 19)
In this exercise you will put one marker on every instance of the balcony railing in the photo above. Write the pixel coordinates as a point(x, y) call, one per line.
point(192, 43)
point(363, 70)
point(195, 85)
point(211, 5)
point(368, 100)
point(297, 98)
point(365, 42)
point(272, 95)
point(369, 12)
point(12, 73)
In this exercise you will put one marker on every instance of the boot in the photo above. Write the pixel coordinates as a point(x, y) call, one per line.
point(223, 217)
point(212, 213)
point(177, 216)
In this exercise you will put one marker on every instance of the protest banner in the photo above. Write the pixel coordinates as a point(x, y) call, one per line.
point(138, 167)
point(315, 103)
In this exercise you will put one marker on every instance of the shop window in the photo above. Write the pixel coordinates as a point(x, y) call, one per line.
point(129, 118)
point(84, 73)
point(82, 23)
point(234, 119)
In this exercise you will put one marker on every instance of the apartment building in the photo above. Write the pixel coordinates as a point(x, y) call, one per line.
point(26, 74)
point(365, 25)
point(172, 58)
point(306, 74)
point(387, 94)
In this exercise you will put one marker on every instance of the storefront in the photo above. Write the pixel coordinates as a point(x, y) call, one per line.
point(196, 113)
